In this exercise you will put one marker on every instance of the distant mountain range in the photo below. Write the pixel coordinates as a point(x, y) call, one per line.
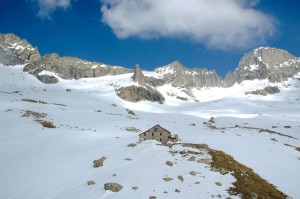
point(273, 64)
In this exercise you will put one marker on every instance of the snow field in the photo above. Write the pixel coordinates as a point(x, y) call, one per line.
point(38, 162)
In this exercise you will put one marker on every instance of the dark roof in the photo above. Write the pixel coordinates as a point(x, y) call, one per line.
point(154, 127)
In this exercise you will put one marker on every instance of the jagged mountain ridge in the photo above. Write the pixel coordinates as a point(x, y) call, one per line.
point(71, 68)
point(14, 50)
point(263, 63)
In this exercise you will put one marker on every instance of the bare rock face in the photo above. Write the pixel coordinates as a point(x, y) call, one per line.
point(138, 93)
point(14, 50)
point(72, 67)
point(138, 76)
point(267, 63)
point(114, 187)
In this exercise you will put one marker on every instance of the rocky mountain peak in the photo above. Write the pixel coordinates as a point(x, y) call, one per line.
point(266, 56)
point(173, 68)
point(14, 50)
point(138, 76)
point(267, 63)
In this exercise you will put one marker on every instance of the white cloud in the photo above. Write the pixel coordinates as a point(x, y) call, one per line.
point(217, 24)
point(47, 7)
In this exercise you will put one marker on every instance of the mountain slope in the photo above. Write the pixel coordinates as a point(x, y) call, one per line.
point(91, 122)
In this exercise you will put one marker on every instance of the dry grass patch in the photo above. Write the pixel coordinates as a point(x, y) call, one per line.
point(41, 102)
point(38, 115)
point(46, 124)
point(247, 182)
point(29, 113)
point(34, 101)
point(296, 148)
point(274, 132)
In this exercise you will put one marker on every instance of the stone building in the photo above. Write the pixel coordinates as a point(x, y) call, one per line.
point(158, 133)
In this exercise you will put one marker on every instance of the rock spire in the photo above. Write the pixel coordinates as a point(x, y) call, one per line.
point(138, 76)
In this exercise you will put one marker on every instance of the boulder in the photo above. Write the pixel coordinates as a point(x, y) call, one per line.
point(169, 163)
point(167, 179)
point(180, 178)
point(99, 163)
point(112, 186)
point(204, 160)
point(91, 182)
point(177, 190)
point(218, 183)
point(192, 158)
point(47, 79)
point(193, 173)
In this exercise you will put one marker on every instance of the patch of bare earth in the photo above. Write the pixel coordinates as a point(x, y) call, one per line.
point(248, 184)
point(37, 115)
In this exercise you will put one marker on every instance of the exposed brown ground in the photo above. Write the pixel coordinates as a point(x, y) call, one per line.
point(247, 182)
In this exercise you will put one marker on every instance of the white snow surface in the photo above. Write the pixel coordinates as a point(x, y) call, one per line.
point(91, 121)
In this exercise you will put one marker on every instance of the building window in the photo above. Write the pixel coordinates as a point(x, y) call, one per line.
point(152, 134)
point(160, 134)
point(155, 129)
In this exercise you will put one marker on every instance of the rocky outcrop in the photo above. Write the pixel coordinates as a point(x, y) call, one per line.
point(72, 67)
point(47, 79)
point(139, 93)
point(14, 50)
point(138, 76)
point(265, 91)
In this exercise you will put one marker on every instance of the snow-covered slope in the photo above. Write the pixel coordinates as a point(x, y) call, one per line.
point(261, 132)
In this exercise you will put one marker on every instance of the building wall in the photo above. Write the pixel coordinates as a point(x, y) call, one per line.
point(157, 133)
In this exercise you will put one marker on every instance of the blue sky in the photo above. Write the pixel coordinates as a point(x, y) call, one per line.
point(213, 34)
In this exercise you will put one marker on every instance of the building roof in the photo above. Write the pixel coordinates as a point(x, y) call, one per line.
point(154, 127)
